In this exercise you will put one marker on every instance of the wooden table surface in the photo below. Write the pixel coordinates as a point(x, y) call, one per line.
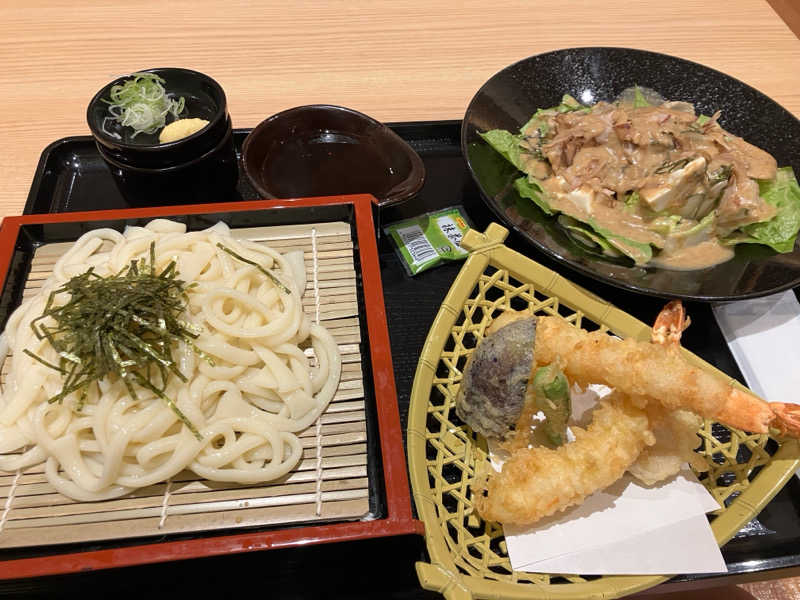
point(396, 60)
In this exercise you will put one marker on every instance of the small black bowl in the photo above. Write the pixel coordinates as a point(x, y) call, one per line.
point(201, 167)
point(323, 150)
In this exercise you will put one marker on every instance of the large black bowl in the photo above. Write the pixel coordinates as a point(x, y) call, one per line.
point(511, 96)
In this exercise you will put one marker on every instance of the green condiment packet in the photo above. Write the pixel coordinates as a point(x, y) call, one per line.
point(430, 239)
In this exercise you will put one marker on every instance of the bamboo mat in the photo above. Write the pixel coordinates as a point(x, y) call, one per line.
point(330, 482)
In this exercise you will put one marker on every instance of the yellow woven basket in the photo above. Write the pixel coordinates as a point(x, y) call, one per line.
point(468, 557)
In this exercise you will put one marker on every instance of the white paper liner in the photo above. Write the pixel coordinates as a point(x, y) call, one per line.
point(626, 529)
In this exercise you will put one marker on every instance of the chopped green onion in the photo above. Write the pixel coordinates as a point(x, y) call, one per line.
point(142, 103)
point(670, 166)
point(720, 175)
point(698, 126)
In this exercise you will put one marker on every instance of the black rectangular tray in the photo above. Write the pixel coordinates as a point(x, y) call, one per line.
point(71, 176)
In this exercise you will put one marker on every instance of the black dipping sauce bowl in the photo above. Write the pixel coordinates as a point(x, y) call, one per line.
point(324, 150)
point(201, 167)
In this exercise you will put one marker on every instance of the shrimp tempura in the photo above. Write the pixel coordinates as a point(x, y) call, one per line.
point(648, 371)
point(538, 482)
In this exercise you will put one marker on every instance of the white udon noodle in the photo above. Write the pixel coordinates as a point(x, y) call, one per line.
point(248, 407)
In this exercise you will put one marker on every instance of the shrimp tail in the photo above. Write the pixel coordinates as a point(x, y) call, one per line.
point(741, 409)
point(787, 418)
point(657, 371)
point(746, 411)
point(670, 324)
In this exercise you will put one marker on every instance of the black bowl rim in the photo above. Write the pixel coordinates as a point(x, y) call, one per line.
point(225, 139)
point(581, 268)
point(416, 174)
point(100, 135)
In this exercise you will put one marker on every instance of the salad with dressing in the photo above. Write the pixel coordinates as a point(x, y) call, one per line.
point(652, 180)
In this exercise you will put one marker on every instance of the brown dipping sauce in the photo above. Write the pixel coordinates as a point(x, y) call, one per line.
point(327, 163)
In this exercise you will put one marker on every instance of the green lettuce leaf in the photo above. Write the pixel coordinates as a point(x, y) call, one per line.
point(533, 191)
point(587, 235)
point(704, 227)
point(664, 224)
point(494, 172)
point(639, 101)
point(569, 104)
point(780, 232)
point(637, 251)
point(610, 242)
point(632, 201)
point(539, 120)
point(506, 143)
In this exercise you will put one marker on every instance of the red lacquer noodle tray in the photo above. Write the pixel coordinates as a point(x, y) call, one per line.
point(352, 481)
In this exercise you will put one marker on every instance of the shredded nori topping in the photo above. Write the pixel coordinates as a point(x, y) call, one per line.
point(123, 325)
